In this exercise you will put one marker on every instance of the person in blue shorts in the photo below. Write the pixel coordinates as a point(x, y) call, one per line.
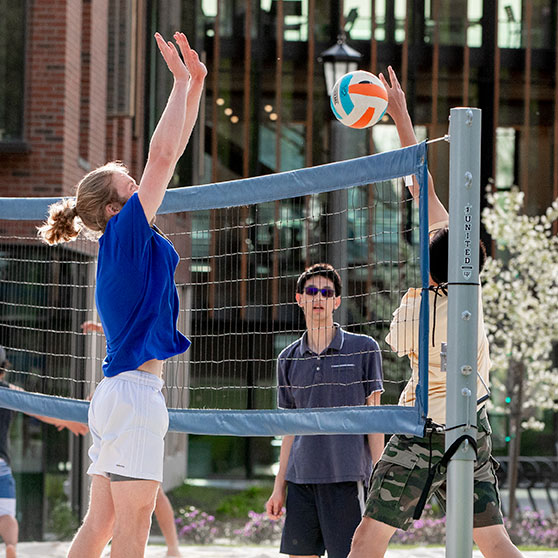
point(323, 478)
point(137, 302)
point(9, 528)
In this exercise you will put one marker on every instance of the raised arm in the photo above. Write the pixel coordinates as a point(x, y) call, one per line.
point(198, 71)
point(397, 109)
point(175, 125)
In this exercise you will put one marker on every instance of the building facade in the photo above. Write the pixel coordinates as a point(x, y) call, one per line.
point(82, 83)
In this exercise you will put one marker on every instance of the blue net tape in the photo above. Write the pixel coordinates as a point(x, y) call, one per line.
point(260, 189)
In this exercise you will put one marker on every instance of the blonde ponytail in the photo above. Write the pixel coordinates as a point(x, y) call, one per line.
point(67, 218)
point(62, 224)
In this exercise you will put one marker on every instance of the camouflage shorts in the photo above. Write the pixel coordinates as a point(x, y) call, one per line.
point(401, 473)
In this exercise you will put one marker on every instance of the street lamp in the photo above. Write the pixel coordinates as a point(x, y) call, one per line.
point(338, 60)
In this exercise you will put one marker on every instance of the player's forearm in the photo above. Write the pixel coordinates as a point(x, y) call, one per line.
point(407, 137)
point(404, 127)
point(171, 124)
point(376, 445)
point(284, 454)
point(192, 110)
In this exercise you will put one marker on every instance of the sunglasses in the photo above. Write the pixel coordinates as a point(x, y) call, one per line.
point(313, 291)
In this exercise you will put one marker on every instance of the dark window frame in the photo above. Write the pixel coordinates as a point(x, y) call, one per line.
point(15, 72)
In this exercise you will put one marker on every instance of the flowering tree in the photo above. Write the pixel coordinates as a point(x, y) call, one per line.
point(520, 295)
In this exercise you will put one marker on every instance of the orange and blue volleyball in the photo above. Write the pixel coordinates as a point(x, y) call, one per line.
point(359, 99)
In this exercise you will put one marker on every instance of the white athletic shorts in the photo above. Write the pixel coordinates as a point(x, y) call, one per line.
point(128, 420)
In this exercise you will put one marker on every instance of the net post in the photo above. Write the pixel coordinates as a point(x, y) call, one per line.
point(463, 319)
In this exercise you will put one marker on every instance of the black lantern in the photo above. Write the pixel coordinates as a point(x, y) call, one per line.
point(338, 60)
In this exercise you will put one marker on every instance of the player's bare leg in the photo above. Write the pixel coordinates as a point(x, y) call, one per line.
point(96, 531)
point(134, 501)
point(9, 531)
point(165, 518)
point(371, 539)
point(494, 542)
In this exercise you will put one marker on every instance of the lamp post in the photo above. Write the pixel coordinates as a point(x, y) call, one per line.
point(337, 61)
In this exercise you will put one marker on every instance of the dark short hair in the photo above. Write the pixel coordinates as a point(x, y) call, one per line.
point(439, 253)
point(323, 269)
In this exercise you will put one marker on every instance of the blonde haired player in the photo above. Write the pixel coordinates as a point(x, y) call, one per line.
point(137, 302)
point(163, 508)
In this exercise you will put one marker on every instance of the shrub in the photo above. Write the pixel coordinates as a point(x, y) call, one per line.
point(530, 529)
point(533, 529)
point(63, 521)
point(195, 526)
point(259, 528)
point(429, 529)
point(240, 505)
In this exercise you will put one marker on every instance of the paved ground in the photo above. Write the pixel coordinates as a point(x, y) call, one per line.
point(58, 550)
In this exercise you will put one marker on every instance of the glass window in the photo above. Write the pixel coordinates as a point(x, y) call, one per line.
point(200, 240)
point(509, 24)
point(474, 23)
point(120, 87)
point(451, 20)
point(400, 10)
point(543, 24)
point(390, 23)
point(358, 20)
point(505, 158)
point(12, 69)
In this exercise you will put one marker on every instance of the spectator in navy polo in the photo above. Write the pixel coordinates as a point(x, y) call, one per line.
point(323, 478)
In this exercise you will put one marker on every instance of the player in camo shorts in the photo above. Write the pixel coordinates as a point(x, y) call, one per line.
point(400, 475)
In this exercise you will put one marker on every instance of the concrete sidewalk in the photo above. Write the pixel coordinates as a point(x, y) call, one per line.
point(59, 549)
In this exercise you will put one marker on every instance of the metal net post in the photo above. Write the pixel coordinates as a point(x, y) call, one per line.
point(463, 319)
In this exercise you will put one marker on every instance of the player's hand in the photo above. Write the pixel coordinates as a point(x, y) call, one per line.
point(197, 69)
point(172, 58)
point(274, 506)
point(397, 103)
point(90, 326)
point(77, 428)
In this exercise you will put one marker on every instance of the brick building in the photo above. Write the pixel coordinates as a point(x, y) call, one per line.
point(73, 96)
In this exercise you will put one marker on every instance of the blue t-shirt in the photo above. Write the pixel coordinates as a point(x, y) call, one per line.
point(135, 294)
point(350, 370)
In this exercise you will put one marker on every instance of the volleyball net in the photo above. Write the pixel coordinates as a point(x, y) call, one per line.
point(242, 246)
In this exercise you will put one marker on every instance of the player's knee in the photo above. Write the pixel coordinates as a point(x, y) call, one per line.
point(494, 541)
point(371, 539)
point(102, 524)
point(359, 542)
point(9, 528)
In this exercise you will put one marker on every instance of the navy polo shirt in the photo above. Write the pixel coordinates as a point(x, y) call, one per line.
point(345, 374)
point(135, 292)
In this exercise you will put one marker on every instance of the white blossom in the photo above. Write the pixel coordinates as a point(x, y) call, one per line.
point(520, 293)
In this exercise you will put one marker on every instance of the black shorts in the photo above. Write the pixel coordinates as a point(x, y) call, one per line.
point(322, 516)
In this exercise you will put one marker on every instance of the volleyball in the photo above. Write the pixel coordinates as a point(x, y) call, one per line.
point(359, 99)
